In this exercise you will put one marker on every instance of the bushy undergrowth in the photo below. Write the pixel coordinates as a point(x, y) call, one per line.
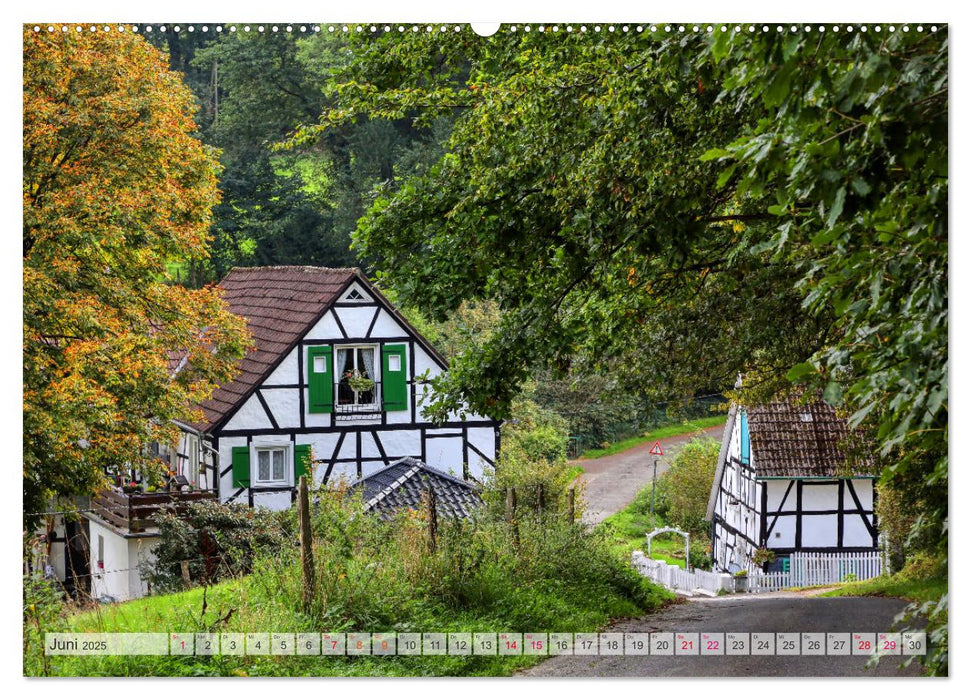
point(213, 541)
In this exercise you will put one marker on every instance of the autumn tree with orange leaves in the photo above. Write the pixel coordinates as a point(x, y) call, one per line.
point(115, 184)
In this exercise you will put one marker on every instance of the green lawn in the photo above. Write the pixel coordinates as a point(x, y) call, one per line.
point(656, 434)
point(920, 581)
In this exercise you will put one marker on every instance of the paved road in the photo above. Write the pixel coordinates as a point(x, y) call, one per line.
point(775, 613)
point(612, 482)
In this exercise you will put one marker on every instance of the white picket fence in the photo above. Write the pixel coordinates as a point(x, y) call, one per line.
point(813, 569)
point(677, 579)
point(805, 569)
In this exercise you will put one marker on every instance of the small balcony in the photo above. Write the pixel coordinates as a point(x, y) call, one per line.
point(134, 511)
point(357, 404)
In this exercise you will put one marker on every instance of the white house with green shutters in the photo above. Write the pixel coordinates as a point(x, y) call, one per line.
point(334, 386)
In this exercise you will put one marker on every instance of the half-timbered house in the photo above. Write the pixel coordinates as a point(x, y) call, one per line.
point(335, 386)
point(790, 478)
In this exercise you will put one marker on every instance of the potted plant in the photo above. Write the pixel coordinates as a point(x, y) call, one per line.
point(357, 381)
point(763, 556)
point(130, 487)
point(741, 581)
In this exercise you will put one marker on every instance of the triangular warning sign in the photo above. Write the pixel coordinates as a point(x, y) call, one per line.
point(656, 449)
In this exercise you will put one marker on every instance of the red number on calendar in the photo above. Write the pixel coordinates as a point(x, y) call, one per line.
point(864, 645)
point(333, 644)
point(712, 645)
point(889, 645)
point(686, 644)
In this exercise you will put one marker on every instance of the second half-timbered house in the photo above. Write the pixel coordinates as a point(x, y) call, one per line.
point(790, 478)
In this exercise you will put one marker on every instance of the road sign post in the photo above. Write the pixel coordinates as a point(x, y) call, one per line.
point(657, 450)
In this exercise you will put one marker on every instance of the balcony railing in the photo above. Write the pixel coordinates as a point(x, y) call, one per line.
point(360, 404)
point(134, 511)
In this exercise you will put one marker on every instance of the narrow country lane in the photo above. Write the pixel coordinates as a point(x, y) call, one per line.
point(612, 482)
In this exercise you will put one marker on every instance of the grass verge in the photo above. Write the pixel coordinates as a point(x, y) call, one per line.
point(656, 434)
point(920, 581)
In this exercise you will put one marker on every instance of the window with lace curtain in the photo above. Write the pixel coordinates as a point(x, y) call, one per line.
point(357, 378)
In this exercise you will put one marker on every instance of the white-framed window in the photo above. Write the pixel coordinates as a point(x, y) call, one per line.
point(271, 463)
point(358, 370)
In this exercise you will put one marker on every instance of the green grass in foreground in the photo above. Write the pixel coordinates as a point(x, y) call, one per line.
point(920, 581)
point(253, 612)
point(656, 434)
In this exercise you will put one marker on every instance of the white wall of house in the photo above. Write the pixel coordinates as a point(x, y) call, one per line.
point(117, 573)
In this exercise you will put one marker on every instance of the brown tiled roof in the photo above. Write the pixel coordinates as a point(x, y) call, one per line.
point(805, 440)
point(280, 304)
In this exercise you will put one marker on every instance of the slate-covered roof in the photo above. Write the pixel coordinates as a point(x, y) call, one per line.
point(805, 440)
point(402, 484)
point(280, 304)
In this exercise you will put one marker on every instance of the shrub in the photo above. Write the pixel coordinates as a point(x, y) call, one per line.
point(687, 485)
point(216, 540)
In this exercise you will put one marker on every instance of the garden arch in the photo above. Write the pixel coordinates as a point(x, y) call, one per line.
point(661, 531)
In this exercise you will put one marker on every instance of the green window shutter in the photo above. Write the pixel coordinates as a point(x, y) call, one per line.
point(394, 378)
point(241, 467)
point(320, 383)
point(301, 462)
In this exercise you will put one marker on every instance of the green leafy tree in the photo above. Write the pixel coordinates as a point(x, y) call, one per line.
point(767, 203)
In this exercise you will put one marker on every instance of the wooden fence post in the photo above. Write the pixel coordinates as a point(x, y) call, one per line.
point(540, 500)
point(306, 548)
point(511, 514)
point(432, 519)
point(571, 505)
point(186, 578)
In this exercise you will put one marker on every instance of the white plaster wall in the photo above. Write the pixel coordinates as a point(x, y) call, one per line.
point(445, 454)
point(226, 445)
point(355, 320)
point(864, 491)
point(141, 551)
point(819, 531)
point(273, 501)
point(776, 491)
point(112, 578)
point(314, 420)
point(285, 405)
point(347, 472)
point(855, 533)
point(250, 416)
point(387, 327)
point(368, 447)
point(326, 327)
point(820, 497)
point(286, 372)
point(401, 443)
point(784, 533)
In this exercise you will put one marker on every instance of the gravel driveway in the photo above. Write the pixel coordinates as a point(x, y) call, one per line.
point(779, 613)
point(612, 482)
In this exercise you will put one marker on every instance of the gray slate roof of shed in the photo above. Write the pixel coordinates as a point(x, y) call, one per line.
point(280, 304)
point(402, 484)
point(789, 439)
